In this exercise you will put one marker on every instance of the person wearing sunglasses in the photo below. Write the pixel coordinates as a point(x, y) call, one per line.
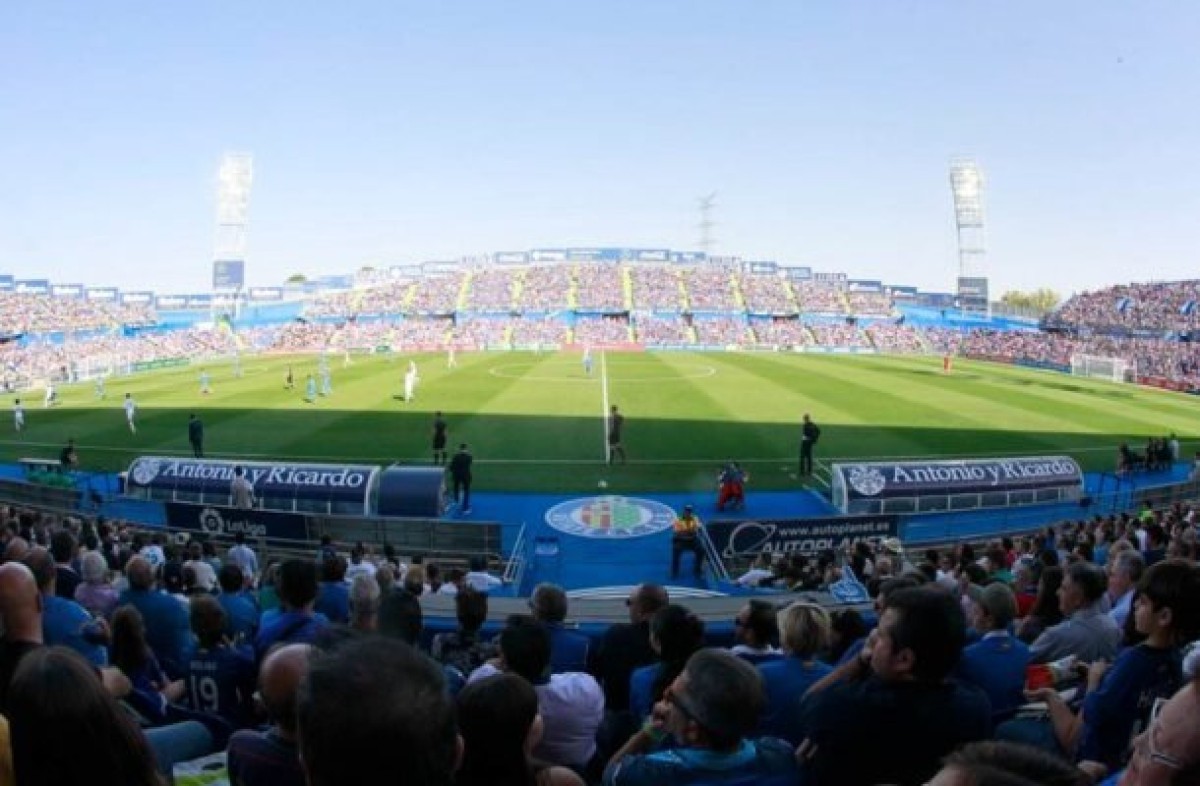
point(709, 712)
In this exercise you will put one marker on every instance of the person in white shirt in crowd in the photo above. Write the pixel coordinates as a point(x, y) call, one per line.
point(479, 579)
point(1125, 569)
point(758, 572)
point(243, 556)
point(571, 704)
point(756, 632)
point(359, 564)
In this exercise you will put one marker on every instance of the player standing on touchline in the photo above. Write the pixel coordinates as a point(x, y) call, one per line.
point(130, 412)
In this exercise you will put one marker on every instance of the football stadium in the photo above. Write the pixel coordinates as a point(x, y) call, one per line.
point(664, 512)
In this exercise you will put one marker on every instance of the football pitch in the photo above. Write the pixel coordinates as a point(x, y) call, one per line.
point(536, 422)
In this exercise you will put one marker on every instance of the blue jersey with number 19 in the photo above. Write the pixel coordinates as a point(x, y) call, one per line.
point(220, 681)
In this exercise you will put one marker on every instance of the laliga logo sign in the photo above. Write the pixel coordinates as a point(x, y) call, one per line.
point(749, 537)
point(213, 523)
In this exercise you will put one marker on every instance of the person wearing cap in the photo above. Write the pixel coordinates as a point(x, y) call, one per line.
point(997, 662)
point(709, 711)
point(685, 536)
point(894, 549)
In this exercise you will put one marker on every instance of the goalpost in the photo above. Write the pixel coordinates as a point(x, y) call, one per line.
point(1114, 369)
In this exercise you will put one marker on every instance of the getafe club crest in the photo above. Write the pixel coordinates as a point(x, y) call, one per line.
point(145, 471)
point(867, 481)
point(610, 517)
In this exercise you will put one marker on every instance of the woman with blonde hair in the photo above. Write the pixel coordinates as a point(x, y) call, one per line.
point(803, 633)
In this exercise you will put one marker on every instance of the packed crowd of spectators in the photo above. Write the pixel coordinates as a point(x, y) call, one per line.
point(493, 289)
point(839, 334)
point(654, 331)
point(709, 289)
point(870, 304)
point(1064, 657)
point(546, 288)
point(601, 330)
point(538, 332)
point(815, 298)
point(890, 337)
point(29, 313)
point(767, 294)
point(781, 333)
point(1173, 306)
point(656, 287)
point(600, 288)
point(436, 295)
point(722, 332)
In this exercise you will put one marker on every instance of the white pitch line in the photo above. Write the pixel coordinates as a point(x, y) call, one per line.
point(604, 405)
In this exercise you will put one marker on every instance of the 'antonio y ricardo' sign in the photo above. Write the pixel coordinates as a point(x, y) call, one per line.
point(879, 481)
point(798, 536)
point(277, 485)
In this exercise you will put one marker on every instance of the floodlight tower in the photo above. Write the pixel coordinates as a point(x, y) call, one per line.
point(234, 179)
point(706, 204)
point(966, 183)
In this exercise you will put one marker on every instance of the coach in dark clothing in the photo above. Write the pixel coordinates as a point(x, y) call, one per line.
point(896, 725)
point(625, 647)
point(460, 475)
point(809, 434)
point(196, 436)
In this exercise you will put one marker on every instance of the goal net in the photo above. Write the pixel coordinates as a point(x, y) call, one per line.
point(1114, 369)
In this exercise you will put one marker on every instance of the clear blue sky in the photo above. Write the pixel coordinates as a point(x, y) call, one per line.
point(394, 132)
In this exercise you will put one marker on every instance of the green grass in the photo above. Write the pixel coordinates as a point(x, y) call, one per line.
point(535, 422)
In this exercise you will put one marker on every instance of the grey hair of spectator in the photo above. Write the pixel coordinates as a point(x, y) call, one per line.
point(93, 568)
point(364, 596)
point(548, 603)
point(727, 695)
point(1089, 578)
point(1130, 563)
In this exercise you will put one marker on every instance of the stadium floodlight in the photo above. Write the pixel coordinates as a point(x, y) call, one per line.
point(966, 184)
point(234, 179)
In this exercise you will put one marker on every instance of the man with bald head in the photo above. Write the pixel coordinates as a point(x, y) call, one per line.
point(626, 647)
point(167, 629)
point(271, 757)
point(16, 549)
point(21, 613)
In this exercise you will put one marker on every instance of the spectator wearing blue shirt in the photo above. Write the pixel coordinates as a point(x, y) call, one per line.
point(241, 612)
point(997, 662)
point(295, 621)
point(675, 634)
point(709, 711)
point(65, 623)
point(220, 678)
point(167, 629)
point(1120, 695)
point(333, 598)
point(803, 632)
point(568, 648)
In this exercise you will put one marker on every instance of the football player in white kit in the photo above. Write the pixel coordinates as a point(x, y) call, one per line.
point(130, 412)
point(18, 415)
